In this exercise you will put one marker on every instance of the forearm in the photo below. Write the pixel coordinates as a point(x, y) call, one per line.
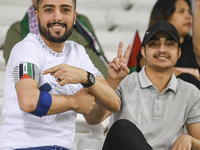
point(196, 30)
point(195, 144)
point(97, 115)
point(80, 102)
point(28, 102)
point(113, 83)
point(62, 103)
point(105, 95)
point(181, 70)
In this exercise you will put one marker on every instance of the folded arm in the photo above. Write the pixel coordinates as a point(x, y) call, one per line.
point(28, 96)
point(101, 90)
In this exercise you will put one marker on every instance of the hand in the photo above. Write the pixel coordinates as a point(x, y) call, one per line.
point(184, 142)
point(84, 101)
point(65, 74)
point(118, 69)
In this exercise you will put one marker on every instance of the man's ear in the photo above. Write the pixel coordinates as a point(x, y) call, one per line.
point(75, 16)
point(36, 14)
point(143, 51)
point(179, 52)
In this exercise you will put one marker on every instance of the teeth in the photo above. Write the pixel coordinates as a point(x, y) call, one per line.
point(57, 27)
point(162, 57)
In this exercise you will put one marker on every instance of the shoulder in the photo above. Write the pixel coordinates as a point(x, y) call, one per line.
point(30, 39)
point(14, 28)
point(184, 84)
point(27, 50)
point(186, 87)
point(29, 43)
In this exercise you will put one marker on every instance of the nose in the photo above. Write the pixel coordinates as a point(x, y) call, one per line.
point(162, 47)
point(188, 15)
point(57, 16)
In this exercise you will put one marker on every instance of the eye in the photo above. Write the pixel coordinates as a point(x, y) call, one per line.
point(48, 10)
point(65, 10)
point(170, 43)
point(181, 11)
point(153, 43)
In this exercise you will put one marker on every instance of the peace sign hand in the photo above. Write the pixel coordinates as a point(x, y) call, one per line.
point(117, 69)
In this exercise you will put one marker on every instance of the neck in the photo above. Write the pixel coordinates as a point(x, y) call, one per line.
point(57, 47)
point(159, 79)
point(181, 39)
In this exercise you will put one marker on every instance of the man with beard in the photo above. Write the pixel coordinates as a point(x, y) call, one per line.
point(82, 34)
point(45, 76)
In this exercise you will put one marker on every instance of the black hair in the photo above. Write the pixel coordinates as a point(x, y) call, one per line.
point(163, 10)
point(40, 1)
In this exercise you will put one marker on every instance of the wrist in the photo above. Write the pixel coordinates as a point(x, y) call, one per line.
point(114, 83)
point(85, 78)
point(73, 102)
point(90, 80)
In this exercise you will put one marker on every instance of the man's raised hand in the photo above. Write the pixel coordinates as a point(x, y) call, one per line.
point(118, 69)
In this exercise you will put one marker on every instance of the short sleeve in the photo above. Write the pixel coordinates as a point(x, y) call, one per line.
point(194, 113)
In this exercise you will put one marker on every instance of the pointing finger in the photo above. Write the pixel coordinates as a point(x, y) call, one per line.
point(50, 70)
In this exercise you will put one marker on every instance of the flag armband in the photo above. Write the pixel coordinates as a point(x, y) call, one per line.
point(26, 70)
point(44, 104)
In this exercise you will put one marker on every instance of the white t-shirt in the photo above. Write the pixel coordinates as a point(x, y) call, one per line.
point(20, 129)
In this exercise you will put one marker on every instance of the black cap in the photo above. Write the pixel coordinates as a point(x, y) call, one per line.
point(161, 26)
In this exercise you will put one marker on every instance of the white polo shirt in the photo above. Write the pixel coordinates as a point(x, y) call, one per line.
point(160, 116)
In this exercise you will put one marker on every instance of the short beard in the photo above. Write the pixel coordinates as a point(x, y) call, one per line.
point(47, 34)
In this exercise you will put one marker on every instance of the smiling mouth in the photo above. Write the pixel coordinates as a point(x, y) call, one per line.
point(56, 25)
point(162, 56)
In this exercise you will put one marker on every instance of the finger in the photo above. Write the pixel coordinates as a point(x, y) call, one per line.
point(62, 82)
point(51, 70)
point(120, 50)
point(125, 68)
point(58, 79)
point(127, 52)
point(58, 73)
point(115, 63)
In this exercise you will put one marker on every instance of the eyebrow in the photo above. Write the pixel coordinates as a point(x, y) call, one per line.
point(50, 5)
